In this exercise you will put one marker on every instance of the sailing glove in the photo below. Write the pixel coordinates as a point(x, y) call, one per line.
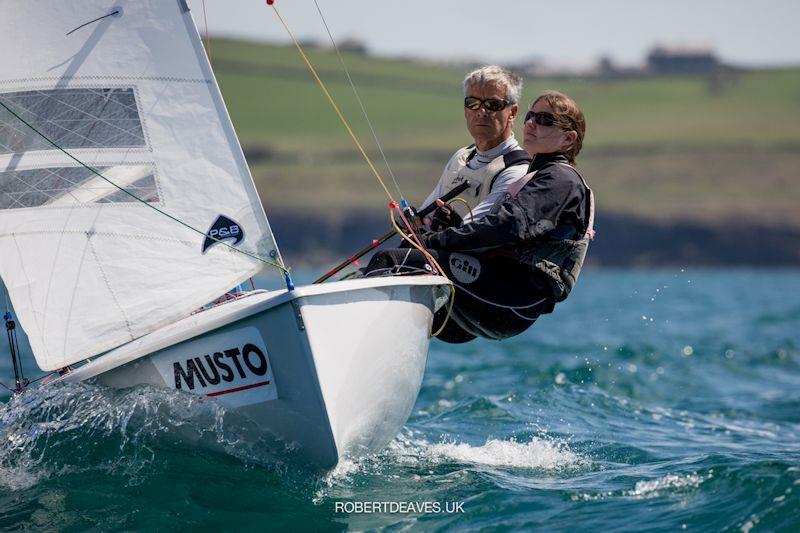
point(444, 217)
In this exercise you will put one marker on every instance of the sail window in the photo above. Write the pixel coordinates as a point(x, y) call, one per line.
point(71, 118)
point(65, 186)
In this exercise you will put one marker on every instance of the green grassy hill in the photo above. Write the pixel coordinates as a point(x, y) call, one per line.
point(680, 148)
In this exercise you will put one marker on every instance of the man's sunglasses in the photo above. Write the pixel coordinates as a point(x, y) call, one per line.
point(489, 104)
point(542, 119)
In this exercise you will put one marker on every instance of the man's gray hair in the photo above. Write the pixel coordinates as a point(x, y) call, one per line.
point(498, 76)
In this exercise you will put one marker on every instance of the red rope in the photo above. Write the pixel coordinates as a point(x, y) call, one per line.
point(408, 225)
point(208, 40)
point(393, 205)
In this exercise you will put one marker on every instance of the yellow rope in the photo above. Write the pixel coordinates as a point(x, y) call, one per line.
point(438, 267)
point(335, 107)
point(449, 310)
point(371, 166)
point(459, 199)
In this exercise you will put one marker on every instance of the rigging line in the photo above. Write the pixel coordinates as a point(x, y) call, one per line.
point(419, 247)
point(360, 103)
point(115, 12)
point(409, 226)
point(277, 265)
point(208, 39)
point(452, 296)
point(43, 377)
point(332, 102)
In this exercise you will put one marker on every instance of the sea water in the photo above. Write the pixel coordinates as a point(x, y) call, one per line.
point(651, 401)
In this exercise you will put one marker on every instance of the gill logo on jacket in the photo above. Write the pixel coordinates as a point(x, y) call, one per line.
point(465, 268)
point(233, 367)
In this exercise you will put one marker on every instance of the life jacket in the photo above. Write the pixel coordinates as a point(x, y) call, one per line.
point(559, 260)
point(481, 180)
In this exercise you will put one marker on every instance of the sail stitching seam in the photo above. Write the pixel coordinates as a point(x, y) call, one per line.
point(98, 233)
point(69, 163)
point(132, 205)
point(89, 237)
point(46, 153)
point(142, 119)
point(125, 78)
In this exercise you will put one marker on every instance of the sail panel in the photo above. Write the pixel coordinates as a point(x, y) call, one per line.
point(72, 118)
point(59, 186)
point(89, 267)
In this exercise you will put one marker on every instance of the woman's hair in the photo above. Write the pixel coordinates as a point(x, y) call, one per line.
point(568, 117)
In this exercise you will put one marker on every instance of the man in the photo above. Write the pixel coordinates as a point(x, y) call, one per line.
point(495, 160)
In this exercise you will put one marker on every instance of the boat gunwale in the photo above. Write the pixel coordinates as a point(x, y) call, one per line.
point(253, 303)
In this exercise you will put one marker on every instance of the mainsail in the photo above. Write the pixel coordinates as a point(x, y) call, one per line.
point(89, 267)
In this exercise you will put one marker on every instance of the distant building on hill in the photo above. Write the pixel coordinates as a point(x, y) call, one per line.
point(681, 60)
point(606, 69)
point(309, 43)
point(347, 45)
point(354, 46)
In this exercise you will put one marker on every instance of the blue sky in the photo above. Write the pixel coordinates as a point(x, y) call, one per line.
point(574, 33)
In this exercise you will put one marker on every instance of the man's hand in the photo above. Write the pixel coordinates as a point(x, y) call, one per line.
point(444, 217)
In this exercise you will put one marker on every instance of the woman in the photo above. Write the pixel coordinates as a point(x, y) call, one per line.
point(525, 256)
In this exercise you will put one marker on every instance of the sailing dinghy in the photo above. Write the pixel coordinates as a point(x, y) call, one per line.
point(126, 205)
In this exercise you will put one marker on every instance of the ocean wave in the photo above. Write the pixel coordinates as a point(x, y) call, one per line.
point(66, 429)
point(668, 485)
point(539, 454)
point(452, 463)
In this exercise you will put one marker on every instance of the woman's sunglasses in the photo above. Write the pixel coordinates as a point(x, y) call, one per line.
point(542, 119)
point(489, 104)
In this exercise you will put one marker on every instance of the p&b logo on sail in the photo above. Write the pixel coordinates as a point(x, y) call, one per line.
point(223, 229)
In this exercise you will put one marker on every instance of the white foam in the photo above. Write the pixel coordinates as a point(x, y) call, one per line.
point(38, 429)
point(408, 452)
point(18, 477)
point(538, 453)
point(653, 488)
point(344, 471)
point(339, 476)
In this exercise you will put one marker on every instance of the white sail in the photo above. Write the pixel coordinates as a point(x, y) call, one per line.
point(87, 266)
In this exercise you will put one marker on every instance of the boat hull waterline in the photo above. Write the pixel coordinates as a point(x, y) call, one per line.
point(327, 371)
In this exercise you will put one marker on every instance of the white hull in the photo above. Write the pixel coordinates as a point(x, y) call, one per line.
point(327, 370)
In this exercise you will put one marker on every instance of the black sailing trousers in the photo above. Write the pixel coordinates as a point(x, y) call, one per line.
point(496, 297)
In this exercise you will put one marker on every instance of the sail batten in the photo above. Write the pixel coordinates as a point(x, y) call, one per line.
point(133, 99)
